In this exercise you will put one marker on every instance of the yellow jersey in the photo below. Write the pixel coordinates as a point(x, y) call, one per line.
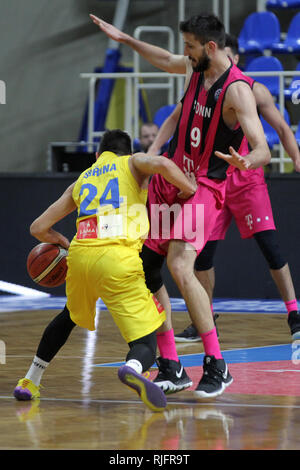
point(111, 205)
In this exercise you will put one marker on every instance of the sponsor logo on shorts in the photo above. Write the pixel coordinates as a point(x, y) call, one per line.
point(159, 307)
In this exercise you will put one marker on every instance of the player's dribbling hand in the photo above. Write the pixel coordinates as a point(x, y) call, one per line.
point(235, 159)
point(110, 30)
point(51, 236)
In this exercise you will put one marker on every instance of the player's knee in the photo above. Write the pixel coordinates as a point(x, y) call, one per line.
point(177, 268)
point(153, 279)
point(143, 350)
point(181, 271)
point(152, 265)
point(62, 321)
point(205, 259)
point(269, 246)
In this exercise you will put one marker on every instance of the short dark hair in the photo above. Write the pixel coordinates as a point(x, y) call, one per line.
point(232, 42)
point(205, 27)
point(116, 141)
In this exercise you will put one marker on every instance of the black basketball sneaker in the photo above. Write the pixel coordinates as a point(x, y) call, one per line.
point(294, 324)
point(215, 379)
point(171, 377)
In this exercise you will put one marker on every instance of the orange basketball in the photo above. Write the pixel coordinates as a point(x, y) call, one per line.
point(47, 265)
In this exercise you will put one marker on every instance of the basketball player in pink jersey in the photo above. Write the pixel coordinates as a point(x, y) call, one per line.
point(217, 110)
point(247, 200)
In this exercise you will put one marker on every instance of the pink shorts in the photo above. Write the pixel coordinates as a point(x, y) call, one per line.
point(190, 220)
point(247, 200)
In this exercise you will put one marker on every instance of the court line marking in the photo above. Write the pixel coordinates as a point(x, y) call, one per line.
point(60, 357)
point(30, 299)
point(134, 402)
point(117, 364)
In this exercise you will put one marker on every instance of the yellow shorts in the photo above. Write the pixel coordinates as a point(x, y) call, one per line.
point(114, 274)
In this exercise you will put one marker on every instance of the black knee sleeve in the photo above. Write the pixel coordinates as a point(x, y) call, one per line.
point(205, 259)
point(152, 264)
point(143, 350)
point(55, 335)
point(269, 246)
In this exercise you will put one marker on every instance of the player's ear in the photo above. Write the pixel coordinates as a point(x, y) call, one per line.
point(97, 155)
point(211, 47)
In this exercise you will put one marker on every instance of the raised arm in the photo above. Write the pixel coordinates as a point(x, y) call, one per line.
point(41, 228)
point(240, 100)
point(272, 115)
point(144, 165)
point(160, 58)
point(167, 129)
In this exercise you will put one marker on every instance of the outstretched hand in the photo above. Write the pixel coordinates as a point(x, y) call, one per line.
point(235, 159)
point(111, 31)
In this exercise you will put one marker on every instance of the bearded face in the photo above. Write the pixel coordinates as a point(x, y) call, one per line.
point(196, 53)
point(202, 64)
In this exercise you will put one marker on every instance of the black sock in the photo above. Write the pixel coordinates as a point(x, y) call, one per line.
point(55, 335)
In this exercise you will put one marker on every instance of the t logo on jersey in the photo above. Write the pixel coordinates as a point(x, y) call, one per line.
point(249, 221)
point(188, 165)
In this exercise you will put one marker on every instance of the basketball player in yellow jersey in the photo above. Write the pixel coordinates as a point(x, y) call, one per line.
point(104, 261)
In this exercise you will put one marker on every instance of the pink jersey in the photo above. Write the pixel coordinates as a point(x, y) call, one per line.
point(246, 200)
point(200, 131)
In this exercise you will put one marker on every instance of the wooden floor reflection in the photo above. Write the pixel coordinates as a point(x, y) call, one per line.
point(86, 407)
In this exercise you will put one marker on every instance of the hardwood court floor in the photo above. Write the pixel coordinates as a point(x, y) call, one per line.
point(84, 406)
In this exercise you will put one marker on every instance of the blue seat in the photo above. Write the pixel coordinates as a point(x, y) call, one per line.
point(291, 44)
point(162, 114)
point(266, 64)
point(281, 4)
point(271, 135)
point(260, 30)
point(273, 4)
point(297, 134)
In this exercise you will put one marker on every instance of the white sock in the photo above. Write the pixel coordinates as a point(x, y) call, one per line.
point(136, 365)
point(36, 370)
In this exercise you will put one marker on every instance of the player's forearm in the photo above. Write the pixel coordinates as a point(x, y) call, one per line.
point(41, 228)
point(50, 236)
point(259, 156)
point(289, 143)
point(155, 55)
point(165, 132)
point(170, 171)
